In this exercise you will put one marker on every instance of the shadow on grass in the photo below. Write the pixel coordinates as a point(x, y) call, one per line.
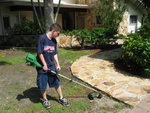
point(102, 47)
point(28, 49)
point(5, 63)
point(25, 49)
point(34, 95)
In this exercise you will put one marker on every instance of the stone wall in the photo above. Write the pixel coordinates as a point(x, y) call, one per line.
point(67, 41)
point(31, 41)
point(123, 29)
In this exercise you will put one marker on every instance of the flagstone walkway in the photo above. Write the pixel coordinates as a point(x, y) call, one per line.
point(98, 70)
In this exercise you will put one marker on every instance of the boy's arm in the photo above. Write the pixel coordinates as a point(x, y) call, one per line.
point(57, 62)
point(43, 61)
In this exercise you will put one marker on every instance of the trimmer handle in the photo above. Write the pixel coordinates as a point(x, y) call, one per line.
point(53, 72)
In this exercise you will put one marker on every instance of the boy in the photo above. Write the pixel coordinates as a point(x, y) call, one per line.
point(48, 58)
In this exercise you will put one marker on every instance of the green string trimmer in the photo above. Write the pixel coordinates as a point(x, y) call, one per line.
point(32, 61)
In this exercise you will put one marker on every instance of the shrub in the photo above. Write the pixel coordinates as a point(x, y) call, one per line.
point(95, 37)
point(82, 35)
point(99, 36)
point(27, 27)
point(144, 31)
point(136, 54)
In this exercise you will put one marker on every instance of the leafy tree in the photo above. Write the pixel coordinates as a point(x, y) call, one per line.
point(110, 13)
point(146, 5)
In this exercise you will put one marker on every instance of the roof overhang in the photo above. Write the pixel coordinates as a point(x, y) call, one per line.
point(142, 3)
point(55, 4)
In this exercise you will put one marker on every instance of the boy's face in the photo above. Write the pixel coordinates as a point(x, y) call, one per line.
point(55, 33)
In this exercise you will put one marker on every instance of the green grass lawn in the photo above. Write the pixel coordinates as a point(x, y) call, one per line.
point(18, 81)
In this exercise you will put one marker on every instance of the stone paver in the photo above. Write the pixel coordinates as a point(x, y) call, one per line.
point(98, 70)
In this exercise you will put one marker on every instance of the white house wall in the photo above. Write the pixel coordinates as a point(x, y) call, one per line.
point(132, 11)
point(29, 15)
point(13, 17)
point(5, 12)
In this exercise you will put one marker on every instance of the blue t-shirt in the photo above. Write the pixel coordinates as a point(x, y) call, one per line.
point(48, 47)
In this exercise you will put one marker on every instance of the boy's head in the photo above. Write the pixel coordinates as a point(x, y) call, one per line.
point(55, 29)
point(55, 26)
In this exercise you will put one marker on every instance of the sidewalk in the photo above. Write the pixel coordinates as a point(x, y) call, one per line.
point(98, 70)
point(142, 107)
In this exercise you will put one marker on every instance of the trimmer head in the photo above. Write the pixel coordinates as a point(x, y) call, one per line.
point(93, 95)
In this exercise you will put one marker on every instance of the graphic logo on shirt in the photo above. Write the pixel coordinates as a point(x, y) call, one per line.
point(49, 48)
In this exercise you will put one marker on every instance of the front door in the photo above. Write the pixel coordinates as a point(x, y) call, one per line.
point(80, 22)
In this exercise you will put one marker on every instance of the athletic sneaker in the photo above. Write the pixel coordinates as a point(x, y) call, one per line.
point(64, 101)
point(46, 104)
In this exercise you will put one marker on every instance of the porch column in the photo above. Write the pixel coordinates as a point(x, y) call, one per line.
point(1, 16)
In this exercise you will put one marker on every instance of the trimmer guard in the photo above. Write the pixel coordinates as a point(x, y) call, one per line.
point(30, 58)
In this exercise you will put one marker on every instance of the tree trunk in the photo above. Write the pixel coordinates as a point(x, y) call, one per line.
point(36, 15)
point(49, 13)
point(57, 11)
point(39, 4)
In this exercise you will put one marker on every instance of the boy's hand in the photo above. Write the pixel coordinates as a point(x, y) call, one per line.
point(45, 68)
point(58, 68)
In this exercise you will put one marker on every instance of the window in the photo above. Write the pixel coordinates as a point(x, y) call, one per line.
point(133, 19)
point(6, 21)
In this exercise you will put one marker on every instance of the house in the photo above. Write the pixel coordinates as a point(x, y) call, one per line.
point(73, 14)
point(13, 11)
point(133, 17)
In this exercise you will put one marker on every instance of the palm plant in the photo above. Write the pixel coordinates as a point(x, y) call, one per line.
point(146, 5)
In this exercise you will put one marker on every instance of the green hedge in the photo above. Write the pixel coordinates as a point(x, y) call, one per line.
point(95, 36)
point(19, 40)
point(136, 54)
